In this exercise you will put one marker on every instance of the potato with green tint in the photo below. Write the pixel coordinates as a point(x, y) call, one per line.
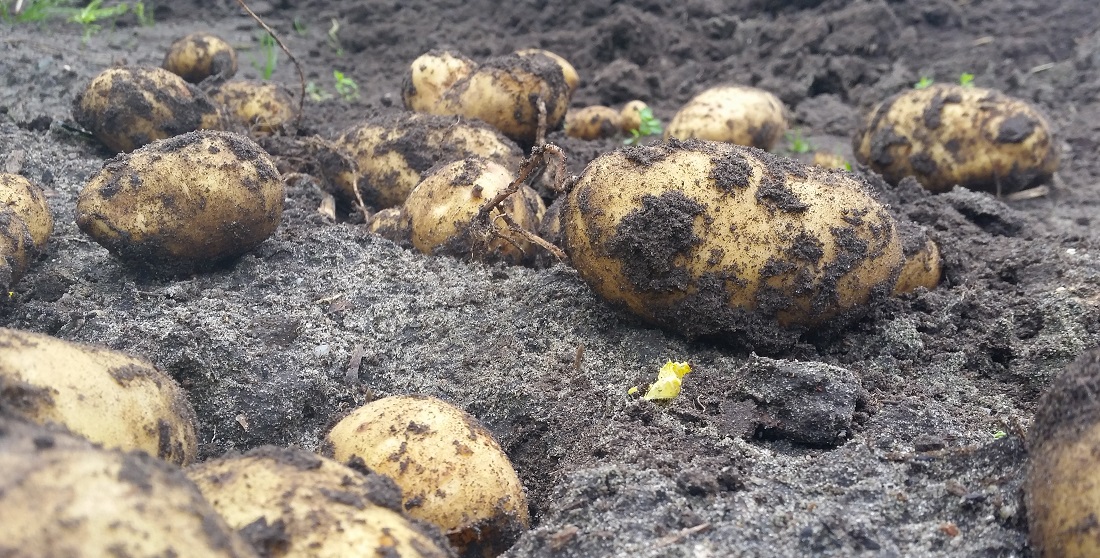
point(392, 153)
point(707, 238)
point(450, 470)
point(126, 108)
point(734, 114)
point(184, 203)
point(292, 503)
point(260, 107)
point(946, 135)
point(109, 397)
point(431, 75)
point(199, 56)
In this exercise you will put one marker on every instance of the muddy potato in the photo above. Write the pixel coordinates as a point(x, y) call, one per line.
point(947, 134)
point(106, 396)
point(450, 470)
point(28, 201)
point(16, 247)
point(260, 107)
point(184, 203)
point(731, 113)
point(706, 237)
point(923, 265)
point(60, 496)
point(393, 152)
point(443, 207)
point(431, 75)
point(592, 122)
point(198, 56)
point(293, 503)
point(126, 108)
point(392, 223)
point(569, 73)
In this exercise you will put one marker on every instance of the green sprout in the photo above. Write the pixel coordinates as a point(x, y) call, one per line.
point(270, 53)
point(36, 10)
point(848, 166)
point(90, 15)
point(999, 434)
point(649, 126)
point(798, 144)
point(299, 27)
point(334, 39)
point(924, 82)
point(966, 79)
point(345, 86)
point(316, 93)
point(145, 18)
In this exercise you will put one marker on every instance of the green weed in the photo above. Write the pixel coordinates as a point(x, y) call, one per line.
point(269, 51)
point(797, 144)
point(650, 126)
point(345, 86)
point(966, 79)
point(924, 82)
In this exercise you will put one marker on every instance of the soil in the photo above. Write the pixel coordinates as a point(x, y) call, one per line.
point(875, 440)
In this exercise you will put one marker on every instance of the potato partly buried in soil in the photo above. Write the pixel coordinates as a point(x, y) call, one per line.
point(198, 56)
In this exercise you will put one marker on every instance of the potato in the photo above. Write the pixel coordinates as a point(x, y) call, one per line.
point(62, 497)
point(592, 122)
point(630, 117)
point(450, 470)
point(946, 134)
point(294, 503)
point(923, 265)
point(16, 247)
point(126, 108)
point(1062, 490)
point(106, 396)
point(431, 75)
point(199, 56)
point(443, 207)
point(706, 237)
point(734, 114)
point(830, 160)
point(393, 152)
point(28, 201)
point(392, 223)
point(504, 92)
point(568, 72)
point(261, 107)
point(186, 202)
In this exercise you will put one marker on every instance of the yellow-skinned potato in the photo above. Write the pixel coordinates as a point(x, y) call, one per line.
point(393, 152)
point(199, 56)
point(592, 122)
point(630, 117)
point(325, 509)
point(450, 470)
point(183, 203)
point(28, 201)
point(923, 264)
point(948, 134)
point(569, 73)
point(109, 397)
point(126, 108)
point(707, 237)
point(261, 107)
point(431, 75)
point(731, 113)
point(443, 207)
point(16, 247)
point(392, 223)
point(62, 497)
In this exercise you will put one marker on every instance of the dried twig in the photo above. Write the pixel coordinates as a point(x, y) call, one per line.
point(297, 65)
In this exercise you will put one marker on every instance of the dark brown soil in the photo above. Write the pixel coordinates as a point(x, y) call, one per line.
point(899, 436)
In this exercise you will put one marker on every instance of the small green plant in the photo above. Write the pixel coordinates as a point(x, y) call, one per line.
point(35, 10)
point(999, 434)
point(316, 93)
point(966, 79)
point(89, 16)
point(145, 18)
point(797, 144)
point(345, 86)
point(270, 53)
point(924, 82)
point(334, 38)
point(299, 27)
point(650, 126)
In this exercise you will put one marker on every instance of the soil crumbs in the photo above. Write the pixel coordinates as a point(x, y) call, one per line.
point(900, 436)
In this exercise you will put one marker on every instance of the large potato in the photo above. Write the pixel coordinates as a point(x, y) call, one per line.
point(106, 396)
point(61, 497)
point(731, 113)
point(292, 503)
point(444, 206)
point(126, 108)
point(431, 75)
point(393, 152)
point(199, 56)
point(28, 201)
point(706, 237)
point(260, 107)
point(450, 470)
point(185, 202)
point(945, 135)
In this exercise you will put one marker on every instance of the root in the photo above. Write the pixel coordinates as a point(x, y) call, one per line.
point(297, 65)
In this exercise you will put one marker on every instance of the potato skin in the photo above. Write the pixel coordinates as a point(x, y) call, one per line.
point(392, 223)
point(592, 122)
point(450, 470)
point(126, 108)
point(947, 134)
point(184, 203)
point(198, 56)
point(431, 75)
point(731, 113)
point(569, 73)
point(394, 152)
point(295, 503)
point(28, 201)
point(16, 247)
point(706, 237)
point(109, 397)
point(923, 266)
point(262, 108)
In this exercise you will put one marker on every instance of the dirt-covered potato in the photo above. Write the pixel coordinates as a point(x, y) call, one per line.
point(450, 470)
point(184, 203)
point(198, 56)
point(16, 247)
point(707, 237)
point(28, 201)
point(630, 117)
point(569, 73)
point(923, 265)
point(592, 122)
point(504, 92)
point(393, 152)
point(392, 223)
point(948, 134)
point(260, 107)
point(60, 496)
point(443, 207)
point(126, 108)
point(293, 503)
point(734, 114)
point(1062, 489)
point(106, 396)
point(431, 75)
